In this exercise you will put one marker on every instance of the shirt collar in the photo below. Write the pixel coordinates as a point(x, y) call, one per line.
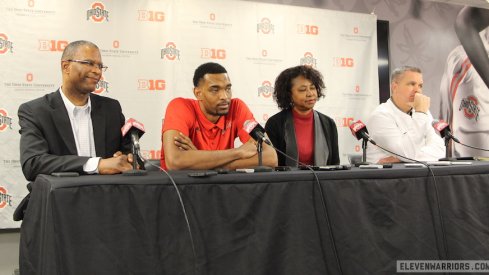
point(208, 124)
point(70, 107)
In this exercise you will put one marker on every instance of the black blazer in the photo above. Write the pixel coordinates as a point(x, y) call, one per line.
point(275, 128)
point(47, 143)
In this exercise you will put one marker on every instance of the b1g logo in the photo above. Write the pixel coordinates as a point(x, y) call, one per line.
point(170, 52)
point(343, 62)
point(97, 13)
point(470, 106)
point(5, 198)
point(152, 16)
point(151, 84)
point(343, 121)
point(265, 26)
point(52, 45)
point(102, 86)
point(308, 29)
point(265, 90)
point(5, 44)
point(308, 60)
point(212, 53)
point(151, 154)
point(5, 120)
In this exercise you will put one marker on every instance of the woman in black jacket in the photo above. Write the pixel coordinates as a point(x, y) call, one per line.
point(298, 130)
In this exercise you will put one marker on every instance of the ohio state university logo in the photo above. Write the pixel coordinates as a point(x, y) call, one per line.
point(97, 13)
point(5, 198)
point(265, 26)
point(5, 120)
point(266, 89)
point(102, 86)
point(308, 60)
point(470, 106)
point(170, 52)
point(5, 44)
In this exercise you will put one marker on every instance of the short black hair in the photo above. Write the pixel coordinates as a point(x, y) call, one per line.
point(282, 92)
point(71, 49)
point(207, 68)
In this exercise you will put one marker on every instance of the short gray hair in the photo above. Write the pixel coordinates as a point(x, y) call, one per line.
point(401, 70)
point(70, 50)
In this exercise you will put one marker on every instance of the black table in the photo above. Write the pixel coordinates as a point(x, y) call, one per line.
point(263, 223)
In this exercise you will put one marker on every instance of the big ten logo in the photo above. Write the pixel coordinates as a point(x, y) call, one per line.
point(308, 60)
point(151, 84)
point(207, 53)
point(29, 77)
point(52, 45)
point(151, 154)
point(308, 29)
point(170, 52)
point(5, 120)
point(343, 62)
point(265, 26)
point(265, 90)
point(5, 198)
point(5, 44)
point(102, 86)
point(343, 121)
point(97, 13)
point(152, 16)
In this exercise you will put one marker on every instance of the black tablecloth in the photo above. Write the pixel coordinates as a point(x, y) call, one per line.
point(262, 223)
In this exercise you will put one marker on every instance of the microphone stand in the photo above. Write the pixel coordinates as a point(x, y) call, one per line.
point(447, 157)
point(364, 153)
point(135, 156)
point(260, 167)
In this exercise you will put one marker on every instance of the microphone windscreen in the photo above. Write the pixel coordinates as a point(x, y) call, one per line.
point(130, 124)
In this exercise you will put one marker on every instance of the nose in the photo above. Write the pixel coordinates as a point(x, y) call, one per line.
point(224, 94)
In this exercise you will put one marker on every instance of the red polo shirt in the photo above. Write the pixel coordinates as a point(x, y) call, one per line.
point(185, 115)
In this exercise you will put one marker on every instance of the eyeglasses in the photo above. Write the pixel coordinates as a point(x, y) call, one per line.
point(89, 63)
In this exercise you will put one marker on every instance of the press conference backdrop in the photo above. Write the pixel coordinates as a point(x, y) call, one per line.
point(153, 47)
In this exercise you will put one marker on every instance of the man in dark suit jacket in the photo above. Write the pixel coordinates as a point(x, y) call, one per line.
point(52, 139)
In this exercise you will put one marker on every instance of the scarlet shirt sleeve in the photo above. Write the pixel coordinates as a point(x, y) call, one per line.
point(179, 116)
point(243, 114)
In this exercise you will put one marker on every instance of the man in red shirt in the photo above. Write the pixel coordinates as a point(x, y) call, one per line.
point(200, 134)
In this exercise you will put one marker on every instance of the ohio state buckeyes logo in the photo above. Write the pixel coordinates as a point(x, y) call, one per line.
point(5, 44)
point(97, 13)
point(102, 86)
point(266, 89)
point(5, 198)
point(170, 52)
point(5, 120)
point(265, 26)
point(470, 106)
point(308, 60)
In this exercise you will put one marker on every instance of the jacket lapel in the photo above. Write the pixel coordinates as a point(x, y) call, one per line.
point(98, 124)
point(61, 120)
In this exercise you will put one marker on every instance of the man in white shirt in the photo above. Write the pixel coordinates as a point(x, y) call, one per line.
point(403, 123)
point(71, 129)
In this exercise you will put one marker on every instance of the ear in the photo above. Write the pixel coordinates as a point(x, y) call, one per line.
point(393, 87)
point(65, 66)
point(198, 93)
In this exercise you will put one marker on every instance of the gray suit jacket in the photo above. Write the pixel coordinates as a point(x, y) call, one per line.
point(47, 143)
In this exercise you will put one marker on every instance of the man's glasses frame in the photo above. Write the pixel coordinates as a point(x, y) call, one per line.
point(89, 63)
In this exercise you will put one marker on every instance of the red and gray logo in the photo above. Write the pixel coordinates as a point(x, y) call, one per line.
point(308, 60)
point(266, 89)
point(5, 44)
point(5, 198)
point(102, 86)
point(265, 26)
point(470, 106)
point(5, 120)
point(170, 52)
point(97, 13)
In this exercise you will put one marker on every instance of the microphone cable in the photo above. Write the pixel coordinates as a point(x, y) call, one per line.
point(324, 204)
point(183, 209)
point(435, 185)
point(470, 146)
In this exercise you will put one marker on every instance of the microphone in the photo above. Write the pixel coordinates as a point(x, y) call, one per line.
point(359, 130)
point(255, 130)
point(135, 130)
point(443, 129)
